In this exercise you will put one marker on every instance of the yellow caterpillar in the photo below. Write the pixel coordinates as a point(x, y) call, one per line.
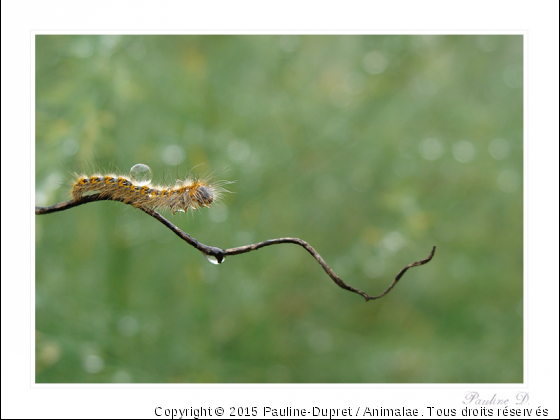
point(190, 193)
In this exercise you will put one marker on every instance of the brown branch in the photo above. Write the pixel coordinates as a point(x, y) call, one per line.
point(219, 254)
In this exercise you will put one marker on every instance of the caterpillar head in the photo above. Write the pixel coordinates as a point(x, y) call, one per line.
point(204, 196)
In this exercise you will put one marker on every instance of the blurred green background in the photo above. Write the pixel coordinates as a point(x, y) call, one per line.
point(371, 148)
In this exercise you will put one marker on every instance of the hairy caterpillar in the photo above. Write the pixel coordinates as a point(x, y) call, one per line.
point(138, 190)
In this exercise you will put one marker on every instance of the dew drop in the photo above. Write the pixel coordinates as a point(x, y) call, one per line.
point(213, 259)
point(141, 174)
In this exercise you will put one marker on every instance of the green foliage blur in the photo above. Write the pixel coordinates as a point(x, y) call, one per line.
point(371, 148)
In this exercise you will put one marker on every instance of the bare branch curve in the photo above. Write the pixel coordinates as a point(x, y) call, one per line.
point(219, 254)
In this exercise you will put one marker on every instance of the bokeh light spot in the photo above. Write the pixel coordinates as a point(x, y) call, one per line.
point(173, 154)
point(93, 364)
point(513, 76)
point(393, 241)
point(69, 147)
point(128, 326)
point(289, 43)
point(121, 377)
point(499, 149)
point(375, 62)
point(219, 214)
point(431, 149)
point(239, 151)
point(487, 43)
point(464, 151)
point(509, 181)
point(83, 47)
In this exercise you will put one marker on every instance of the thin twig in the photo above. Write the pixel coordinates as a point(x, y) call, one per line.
point(219, 254)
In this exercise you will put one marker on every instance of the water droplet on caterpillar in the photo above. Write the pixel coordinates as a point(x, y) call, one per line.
point(213, 259)
point(141, 174)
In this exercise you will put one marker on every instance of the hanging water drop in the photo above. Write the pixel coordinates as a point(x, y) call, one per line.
point(213, 259)
point(141, 174)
